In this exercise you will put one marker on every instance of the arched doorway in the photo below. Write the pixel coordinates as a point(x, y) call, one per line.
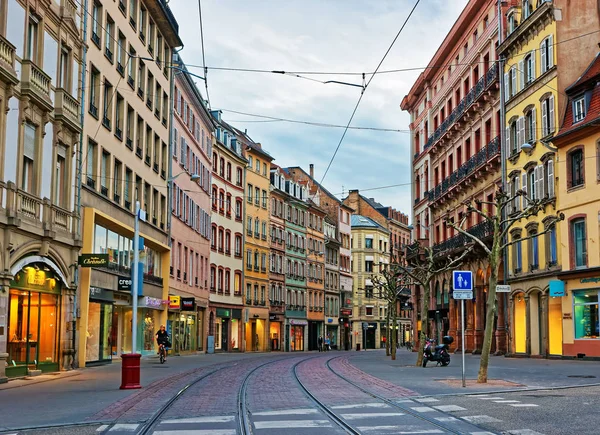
point(520, 322)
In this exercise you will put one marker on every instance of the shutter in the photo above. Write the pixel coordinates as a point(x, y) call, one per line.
point(506, 87)
point(507, 140)
point(174, 144)
point(521, 132)
point(533, 56)
point(524, 189)
point(544, 119)
point(509, 206)
point(513, 74)
point(517, 200)
point(551, 113)
point(541, 182)
point(534, 124)
point(550, 51)
point(543, 57)
point(536, 184)
point(550, 176)
point(521, 75)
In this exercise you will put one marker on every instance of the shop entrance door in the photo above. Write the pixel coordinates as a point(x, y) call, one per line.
point(313, 333)
point(370, 338)
point(225, 335)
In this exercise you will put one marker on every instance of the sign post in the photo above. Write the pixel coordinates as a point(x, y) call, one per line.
point(462, 284)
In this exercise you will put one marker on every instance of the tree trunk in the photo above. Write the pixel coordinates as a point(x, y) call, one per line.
point(424, 324)
point(394, 331)
point(482, 377)
point(387, 332)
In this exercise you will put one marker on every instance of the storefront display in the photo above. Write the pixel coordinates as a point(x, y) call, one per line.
point(296, 338)
point(275, 335)
point(33, 319)
point(99, 334)
point(585, 309)
point(227, 324)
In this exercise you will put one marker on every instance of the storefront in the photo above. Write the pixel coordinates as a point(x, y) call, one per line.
point(227, 329)
point(331, 331)
point(34, 317)
point(275, 332)
point(296, 334)
point(100, 334)
point(149, 321)
point(580, 316)
point(371, 336)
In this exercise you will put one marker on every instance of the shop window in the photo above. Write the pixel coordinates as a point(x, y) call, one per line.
point(585, 311)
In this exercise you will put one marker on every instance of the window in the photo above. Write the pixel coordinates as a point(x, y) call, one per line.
point(369, 243)
point(30, 152)
point(238, 209)
point(109, 38)
point(547, 54)
point(527, 8)
point(107, 105)
point(256, 196)
point(512, 137)
point(132, 21)
point(119, 114)
point(94, 91)
point(121, 54)
point(548, 116)
point(238, 245)
point(64, 78)
point(578, 235)
point(61, 176)
point(104, 174)
point(512, 23)
point(248, 259)
point(250, 161)
point(117, 179)
point(368, 311)
point(585, 314)
point(128, 178)
point(579, 111)
point(238, 177)
point(517, 254)
point(575, 168)
point(530, 126)
point(529, 68)
point(250, 190)
point(96, 22)
point(369, 266)
point(264, 199)
point(534, 263)
point(551, 255)
point(548, 170)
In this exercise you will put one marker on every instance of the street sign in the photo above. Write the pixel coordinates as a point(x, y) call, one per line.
point(462, 280)
point(500, 288)
point(365, 325)
point(462, 295)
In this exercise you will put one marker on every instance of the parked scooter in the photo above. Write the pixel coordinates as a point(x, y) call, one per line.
point(439, 353)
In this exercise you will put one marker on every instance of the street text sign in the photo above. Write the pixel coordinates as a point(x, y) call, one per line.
point(503, 288)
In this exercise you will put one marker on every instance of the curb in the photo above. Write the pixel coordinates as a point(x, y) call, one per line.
point(27, 380)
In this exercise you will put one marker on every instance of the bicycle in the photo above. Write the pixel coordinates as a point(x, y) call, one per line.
point(162, 352)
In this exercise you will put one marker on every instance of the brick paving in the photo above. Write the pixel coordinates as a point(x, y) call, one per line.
point(369, 382)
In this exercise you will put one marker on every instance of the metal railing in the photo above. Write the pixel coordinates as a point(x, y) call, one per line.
point(482, 231)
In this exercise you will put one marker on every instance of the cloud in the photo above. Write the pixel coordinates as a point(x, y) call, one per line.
point(340, 36)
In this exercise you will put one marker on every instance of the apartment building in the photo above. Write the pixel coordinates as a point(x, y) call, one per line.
point(125, 163)
point(225, 324)
point(316, 300)
point(277, 263)
point(332, 282)
point(455, 120)
point(256, 244)
point(40, 67)
point(190, 215)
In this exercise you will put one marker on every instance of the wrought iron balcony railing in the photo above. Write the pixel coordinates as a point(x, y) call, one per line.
point(482, 231)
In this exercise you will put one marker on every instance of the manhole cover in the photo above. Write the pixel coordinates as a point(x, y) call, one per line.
point(582, 376)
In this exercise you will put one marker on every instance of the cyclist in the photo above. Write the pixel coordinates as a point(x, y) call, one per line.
point(162, 338)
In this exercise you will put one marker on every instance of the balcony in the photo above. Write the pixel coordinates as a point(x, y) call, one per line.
point(480, 162)
point(483, 231)
point(69, 10)
point(35, 83)
point(7, 62)
point(66, 109)
point(484, 83)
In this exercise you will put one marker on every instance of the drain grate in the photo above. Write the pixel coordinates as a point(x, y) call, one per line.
point(582, 376)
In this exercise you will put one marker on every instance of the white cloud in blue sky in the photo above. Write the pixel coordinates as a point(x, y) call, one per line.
point(313, 35)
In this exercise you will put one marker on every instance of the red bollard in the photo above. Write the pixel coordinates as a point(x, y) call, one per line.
point(130, 371)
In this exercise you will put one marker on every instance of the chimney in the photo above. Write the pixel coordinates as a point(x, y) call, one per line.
point(312, 170)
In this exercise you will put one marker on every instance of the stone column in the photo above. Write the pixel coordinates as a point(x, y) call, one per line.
point(469, 332)
point(3, 359)
point(479, 326)
point(544, 350)
point(453, 331)
point(527, 325)
point(501, 342)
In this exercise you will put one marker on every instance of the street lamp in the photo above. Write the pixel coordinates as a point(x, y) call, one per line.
point(527, 147)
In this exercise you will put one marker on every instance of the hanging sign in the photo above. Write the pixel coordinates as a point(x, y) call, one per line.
point(93, 260)
point(188, 304)
point(174, 302)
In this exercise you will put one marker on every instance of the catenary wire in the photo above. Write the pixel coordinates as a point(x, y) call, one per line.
point(203, 55)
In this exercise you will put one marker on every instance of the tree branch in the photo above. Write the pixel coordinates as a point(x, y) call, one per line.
point(454, 262)
point(471, 236)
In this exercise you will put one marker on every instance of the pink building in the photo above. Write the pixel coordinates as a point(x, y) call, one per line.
point(190, 217)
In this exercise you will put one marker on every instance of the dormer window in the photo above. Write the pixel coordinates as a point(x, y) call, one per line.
point(527, 8)
point(512, 23)
point(579, 109)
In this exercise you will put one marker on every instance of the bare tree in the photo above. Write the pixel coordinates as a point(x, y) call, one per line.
point(502, 214)
point(422, 266)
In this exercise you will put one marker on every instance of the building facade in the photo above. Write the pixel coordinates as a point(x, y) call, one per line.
point(225, 322)
point(256, 245)
point(369, 324)
point(535, 105)
point(277, 263)
point(455, 120)
point(332, 283)
point(317, 283)
point(125, 162)
point(40, 127)
point(190, 209)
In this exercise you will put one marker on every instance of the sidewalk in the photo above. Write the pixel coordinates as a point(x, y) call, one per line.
point(71, 397)
point(512, 373)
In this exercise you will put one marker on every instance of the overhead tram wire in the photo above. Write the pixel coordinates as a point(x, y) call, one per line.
point(365, 88)
point(203, 56)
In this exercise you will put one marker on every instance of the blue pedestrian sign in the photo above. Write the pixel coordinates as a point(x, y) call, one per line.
point(462, 280)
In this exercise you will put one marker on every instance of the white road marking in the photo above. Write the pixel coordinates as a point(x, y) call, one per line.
point(489, 398)
point(196, 432)
point(522, 432)
point(124, 427)
point(423, 409)
point(362, 405)
point(287, 412)
point(369, 415)
point(478, 419)
point(507, 401)
point(284, 424)
point(427, 400)
point(100, 429)
point(446, 419)
point(449, 408)
point(407, 429)
point(523, 405)
point(482, 433)
point(210, 419)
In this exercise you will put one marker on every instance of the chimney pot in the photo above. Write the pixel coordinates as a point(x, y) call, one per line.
point(312, 170)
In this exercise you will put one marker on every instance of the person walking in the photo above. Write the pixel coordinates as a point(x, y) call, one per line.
point(320, 343)
point(327, 343)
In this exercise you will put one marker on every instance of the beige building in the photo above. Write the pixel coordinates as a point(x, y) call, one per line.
point(125, 160)
point(40, 58)
point(225, 323)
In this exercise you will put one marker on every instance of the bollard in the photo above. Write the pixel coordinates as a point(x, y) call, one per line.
point(130, 371)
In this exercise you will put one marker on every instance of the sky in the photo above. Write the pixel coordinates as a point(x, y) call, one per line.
point(319, 36)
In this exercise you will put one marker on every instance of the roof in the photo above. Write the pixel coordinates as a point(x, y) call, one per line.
point(358, 221)
point(588, 85)
point(249, 142)
point(315, 182)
